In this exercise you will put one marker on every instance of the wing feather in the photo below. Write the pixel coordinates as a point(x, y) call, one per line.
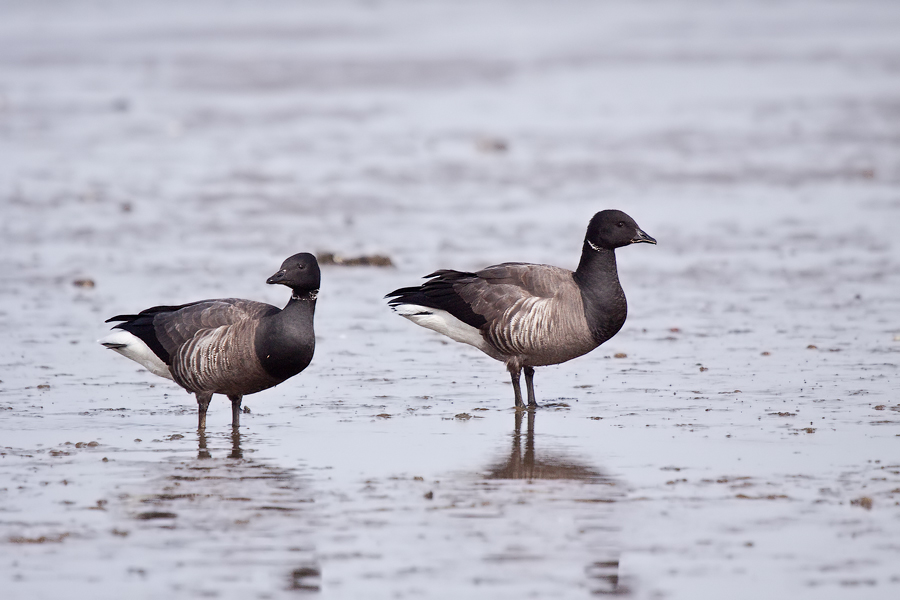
point(167, 328)
point(176, 328)
point(533, 312)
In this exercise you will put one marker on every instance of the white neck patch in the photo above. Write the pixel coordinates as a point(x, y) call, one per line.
point(593, 245)
point(311, 296)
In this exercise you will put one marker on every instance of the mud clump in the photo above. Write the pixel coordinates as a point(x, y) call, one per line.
point(864, 502)
point(370, 260)
point(491, 145)
point(44, 539)
point(305, 578)
point(767, 497)
point(151, 515)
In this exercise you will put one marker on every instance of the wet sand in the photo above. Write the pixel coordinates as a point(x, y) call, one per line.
point(737, 439)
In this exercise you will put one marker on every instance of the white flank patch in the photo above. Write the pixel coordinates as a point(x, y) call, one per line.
point(444, 323)
point(135, 349)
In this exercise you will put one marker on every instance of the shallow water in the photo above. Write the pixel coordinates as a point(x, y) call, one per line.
point(737, 439)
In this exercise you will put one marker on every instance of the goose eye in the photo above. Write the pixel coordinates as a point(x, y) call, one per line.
point(620, 224)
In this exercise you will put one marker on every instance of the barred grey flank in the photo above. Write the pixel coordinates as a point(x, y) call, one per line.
point(224, 360)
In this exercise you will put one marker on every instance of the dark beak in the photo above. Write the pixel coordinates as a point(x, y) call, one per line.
point(642, 237)
point(277, 277)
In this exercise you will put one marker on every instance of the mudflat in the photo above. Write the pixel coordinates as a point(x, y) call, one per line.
point(737, 439)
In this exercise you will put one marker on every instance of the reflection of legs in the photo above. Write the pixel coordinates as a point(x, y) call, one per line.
point(529, 383)
point(528, 461)
point(236, 443)
point(203, 399)
point(235, 410)
point(515, 373)
point(202, 452)
point(515, 458)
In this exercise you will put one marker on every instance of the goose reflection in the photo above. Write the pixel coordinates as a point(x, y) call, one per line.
point(203, 451)
point(220, 507)
point(527, 462)
point(531, 464)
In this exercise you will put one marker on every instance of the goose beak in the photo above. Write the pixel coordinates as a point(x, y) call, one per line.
point(277, 277)
point(641, 236)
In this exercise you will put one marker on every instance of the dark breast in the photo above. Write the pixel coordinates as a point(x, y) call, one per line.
point(605, 313)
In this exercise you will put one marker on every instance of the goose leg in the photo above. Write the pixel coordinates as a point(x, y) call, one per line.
point(529, 383)
point(235, 410)
point(515, 373)
point(203, 399)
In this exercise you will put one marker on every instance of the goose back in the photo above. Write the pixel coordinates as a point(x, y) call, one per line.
point(534, 313)
point(530, 314)
point(210, 345)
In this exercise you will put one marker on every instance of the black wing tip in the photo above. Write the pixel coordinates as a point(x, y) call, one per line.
point(121, 318)
point(449, 274)
point(401, 295)
point(441, 276)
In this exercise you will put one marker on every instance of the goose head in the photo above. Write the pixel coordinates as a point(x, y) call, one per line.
point(611, 229)
point(300, 272)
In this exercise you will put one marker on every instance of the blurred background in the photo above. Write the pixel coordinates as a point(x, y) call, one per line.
point(187, 132)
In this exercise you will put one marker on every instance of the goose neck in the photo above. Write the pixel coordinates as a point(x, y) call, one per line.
point(597, 267)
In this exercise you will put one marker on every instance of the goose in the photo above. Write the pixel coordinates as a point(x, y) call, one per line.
point(226, 346)
point(528, 315)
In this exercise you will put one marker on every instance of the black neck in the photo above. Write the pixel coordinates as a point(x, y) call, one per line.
point(285, 341)
point(604, 301)
point(299, 307)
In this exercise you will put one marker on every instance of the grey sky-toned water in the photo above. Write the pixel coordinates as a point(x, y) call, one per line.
point(744, 446)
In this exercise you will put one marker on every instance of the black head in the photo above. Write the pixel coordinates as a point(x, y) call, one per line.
point(611, 229)
point(299, 272)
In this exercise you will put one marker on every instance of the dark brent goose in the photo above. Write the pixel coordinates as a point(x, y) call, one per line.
point(530, 315)
point(229, 346)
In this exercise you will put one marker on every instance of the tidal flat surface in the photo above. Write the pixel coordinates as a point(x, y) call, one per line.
point(739, 438)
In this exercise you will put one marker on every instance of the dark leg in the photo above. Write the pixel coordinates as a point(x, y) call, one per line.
point(235, 410)
point(203, 399)
point(529, 383)
point(515, 374)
